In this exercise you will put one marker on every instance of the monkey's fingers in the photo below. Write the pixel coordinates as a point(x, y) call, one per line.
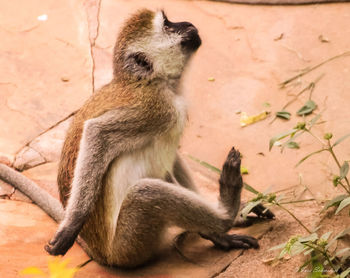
point(227, 242)
point(233, 160)
point(231, 170)
point(261, 211)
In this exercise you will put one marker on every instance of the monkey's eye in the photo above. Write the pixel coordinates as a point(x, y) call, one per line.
point(138, 61)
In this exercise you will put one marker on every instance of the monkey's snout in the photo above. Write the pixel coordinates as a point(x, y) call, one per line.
point(191, 40)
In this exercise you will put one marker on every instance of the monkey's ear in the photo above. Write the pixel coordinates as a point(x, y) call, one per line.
point(139, 64)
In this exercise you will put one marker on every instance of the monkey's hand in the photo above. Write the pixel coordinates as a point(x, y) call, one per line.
point(263, 212)
point(227, 242)
point(62, 241)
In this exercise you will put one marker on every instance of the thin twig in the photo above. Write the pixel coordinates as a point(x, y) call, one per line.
point(285, 83)
point(84, 263)
point(297, 201)
point(310, 86)
point(330, 149)
point(295, 218)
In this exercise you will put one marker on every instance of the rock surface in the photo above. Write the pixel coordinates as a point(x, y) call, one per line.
point(44, 148)
point(48, 67)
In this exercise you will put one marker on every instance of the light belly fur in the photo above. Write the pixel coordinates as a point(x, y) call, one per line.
point(154, 161)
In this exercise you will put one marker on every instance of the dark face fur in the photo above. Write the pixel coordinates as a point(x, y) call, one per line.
point(151, 46)
point(190, 38)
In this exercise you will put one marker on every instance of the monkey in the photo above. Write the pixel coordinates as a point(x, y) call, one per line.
point(281, 2)
point(121, 180)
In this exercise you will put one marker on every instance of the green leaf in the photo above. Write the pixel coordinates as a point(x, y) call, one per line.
point(279, 246)
point(314, 120)
point(317, 269)
point(307, 109)
point(308, 251)
point(250, 188)
point(297, 248)
point(266, 104)
point(283, 114)
point(334, 202)
point(205, 164)
point(344, 169)
point(341, 139)
point(343, 204)
point(280, 136)
point(311, 237)
point(325, 236)
point(292, 145)
point(345, 273)
point(245, 211)
point(305, 264)
point(343, 233)
point(309, 155)
point(339, 235)
point(280, 198)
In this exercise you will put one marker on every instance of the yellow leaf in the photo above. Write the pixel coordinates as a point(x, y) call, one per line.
point(244, 170)
point(32, 271)
point(247, 120)
point(58, 269)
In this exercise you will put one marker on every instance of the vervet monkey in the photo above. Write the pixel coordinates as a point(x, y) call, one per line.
point(120, 179)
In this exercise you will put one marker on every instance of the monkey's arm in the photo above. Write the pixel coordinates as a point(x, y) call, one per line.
point(182, 174)
point(103, 139)
point(38, 195)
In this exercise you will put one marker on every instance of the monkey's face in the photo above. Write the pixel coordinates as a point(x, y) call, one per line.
point(190, 40)
point(160, 49)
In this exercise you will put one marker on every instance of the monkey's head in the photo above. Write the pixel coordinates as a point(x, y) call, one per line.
point(150, 46)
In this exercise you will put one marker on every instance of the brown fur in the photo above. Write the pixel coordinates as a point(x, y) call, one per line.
point(155, 112)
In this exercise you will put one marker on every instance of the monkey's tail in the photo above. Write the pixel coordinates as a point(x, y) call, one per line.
point(38, 195)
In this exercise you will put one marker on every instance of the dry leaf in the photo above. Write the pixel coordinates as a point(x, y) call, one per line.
point(280, 37)
point(247, 120)
point(321, 38)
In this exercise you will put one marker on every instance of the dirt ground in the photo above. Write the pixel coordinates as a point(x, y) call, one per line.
point(54, 54)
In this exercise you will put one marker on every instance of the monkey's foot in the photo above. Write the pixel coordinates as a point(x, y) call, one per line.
point(231, 171)
point(227, 242)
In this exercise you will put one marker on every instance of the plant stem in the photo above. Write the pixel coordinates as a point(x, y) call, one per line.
point(310, 86)
point(323, 252)
point(291, 214)
point(342, 185)
point(285, 83)
point(315, 136)
point(297, 201)
point(330, 149)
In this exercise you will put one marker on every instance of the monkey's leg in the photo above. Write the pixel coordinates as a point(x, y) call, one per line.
point(153, 205)
point(231, 184)
point(182, 174)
